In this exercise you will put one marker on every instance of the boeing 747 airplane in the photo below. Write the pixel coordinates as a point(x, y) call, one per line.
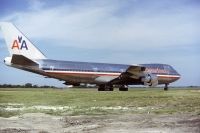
point(24, 55)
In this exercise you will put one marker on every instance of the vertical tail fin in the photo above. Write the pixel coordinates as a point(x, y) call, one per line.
point(18, 44)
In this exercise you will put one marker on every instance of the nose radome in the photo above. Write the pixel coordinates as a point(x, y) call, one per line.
point(178, 76)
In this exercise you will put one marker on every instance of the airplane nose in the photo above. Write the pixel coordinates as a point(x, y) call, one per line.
point(178, 77)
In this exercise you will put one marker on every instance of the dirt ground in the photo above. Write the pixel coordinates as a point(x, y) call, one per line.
point(142, 123)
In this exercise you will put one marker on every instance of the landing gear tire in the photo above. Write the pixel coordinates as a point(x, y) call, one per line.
point(105, 88)
point(101, 89)
point(123, 88)
point(166, 87)
point(111, 89)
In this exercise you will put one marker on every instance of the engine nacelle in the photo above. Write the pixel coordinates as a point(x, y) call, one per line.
point(7, 61)
point(150, 80)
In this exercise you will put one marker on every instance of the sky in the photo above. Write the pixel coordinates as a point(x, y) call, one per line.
point(108, 31)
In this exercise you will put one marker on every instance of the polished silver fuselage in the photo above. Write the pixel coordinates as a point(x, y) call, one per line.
point(98, 73)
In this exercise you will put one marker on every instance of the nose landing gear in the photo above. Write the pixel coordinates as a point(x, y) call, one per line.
point(166, 87)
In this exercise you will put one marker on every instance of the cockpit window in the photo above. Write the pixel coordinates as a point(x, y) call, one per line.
point(167, 67)
point(160, 67)
point(170, 69)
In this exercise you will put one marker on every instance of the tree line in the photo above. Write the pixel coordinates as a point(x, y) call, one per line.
point(27, 85)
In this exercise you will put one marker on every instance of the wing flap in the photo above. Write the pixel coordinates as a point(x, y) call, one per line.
point(135, 72)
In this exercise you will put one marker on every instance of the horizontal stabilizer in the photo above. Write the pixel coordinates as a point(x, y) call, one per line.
point(22, 60)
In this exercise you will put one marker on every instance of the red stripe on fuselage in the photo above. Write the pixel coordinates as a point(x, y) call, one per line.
point(83, 73)
point(169, 76)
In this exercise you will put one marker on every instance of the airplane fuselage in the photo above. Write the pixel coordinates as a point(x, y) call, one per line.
point(86, 72)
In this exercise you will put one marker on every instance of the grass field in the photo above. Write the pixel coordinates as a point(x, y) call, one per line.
point(91, 102)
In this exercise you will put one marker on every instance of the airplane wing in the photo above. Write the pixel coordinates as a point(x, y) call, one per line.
point(133, 72)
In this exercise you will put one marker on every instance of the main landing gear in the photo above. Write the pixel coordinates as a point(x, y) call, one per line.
point(110, 88)
point(123, 88)
point(166, 87)
point(105, 88)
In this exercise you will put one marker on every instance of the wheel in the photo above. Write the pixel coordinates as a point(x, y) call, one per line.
point(111, 88)
point(101, 88)
point(123, 88)
point(105, 88)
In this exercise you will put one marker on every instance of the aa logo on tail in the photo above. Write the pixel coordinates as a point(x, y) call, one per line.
point(19, 44)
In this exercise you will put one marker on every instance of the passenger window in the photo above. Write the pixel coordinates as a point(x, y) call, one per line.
point(51, 67)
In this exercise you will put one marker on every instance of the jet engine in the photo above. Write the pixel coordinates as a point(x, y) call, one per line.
point(150, 80)
point(7, 61)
